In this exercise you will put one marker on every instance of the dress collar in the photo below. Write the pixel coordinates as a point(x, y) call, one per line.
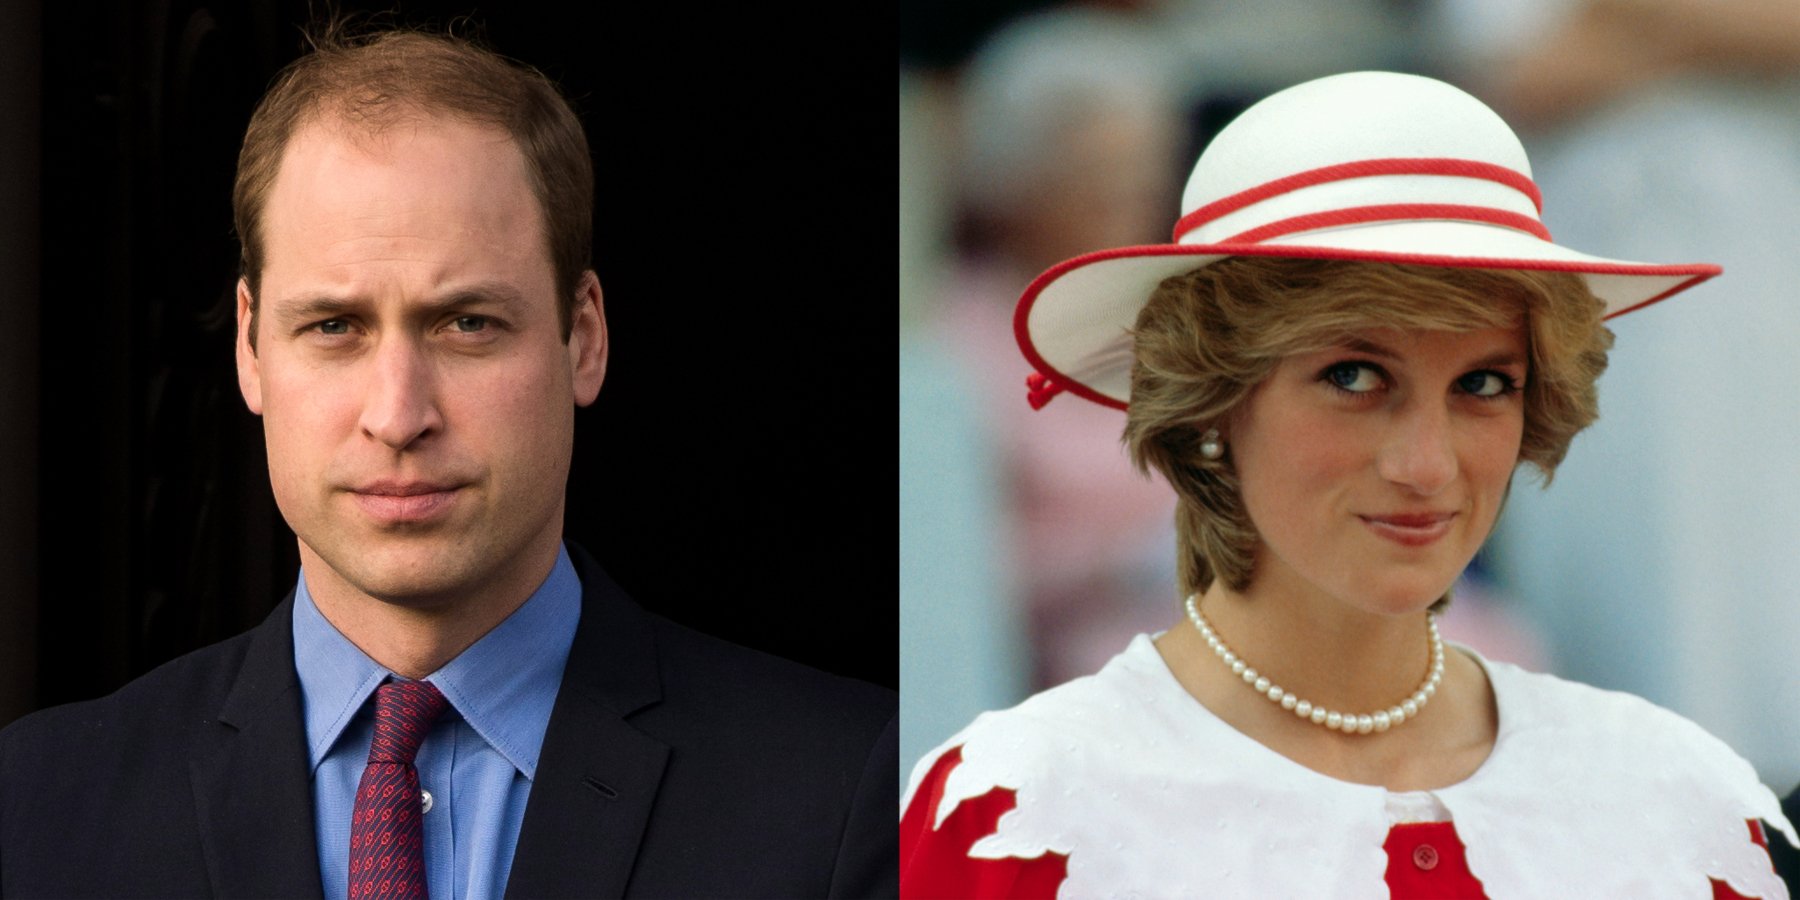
point(504, 685)
point(1127, 759)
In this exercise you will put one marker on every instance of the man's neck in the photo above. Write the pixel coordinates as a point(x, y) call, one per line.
point(414, 638)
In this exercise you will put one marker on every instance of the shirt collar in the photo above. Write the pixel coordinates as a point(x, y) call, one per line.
point(504, 685)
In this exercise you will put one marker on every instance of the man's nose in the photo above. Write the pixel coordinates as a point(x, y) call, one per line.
point(400, 395)
point(1420, 452)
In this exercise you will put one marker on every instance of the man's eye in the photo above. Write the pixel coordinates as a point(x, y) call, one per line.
point(1355, 378)
point(333, 326)
point(471, 324)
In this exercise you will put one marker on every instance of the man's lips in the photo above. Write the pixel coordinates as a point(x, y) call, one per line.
point(395, 487)
point(395, 502)
point(1411, 529)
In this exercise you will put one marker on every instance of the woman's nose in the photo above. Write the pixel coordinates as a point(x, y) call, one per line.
point(1418, 453)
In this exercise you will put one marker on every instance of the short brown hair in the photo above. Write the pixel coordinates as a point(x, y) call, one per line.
point(1206, 339)
point(375, 80)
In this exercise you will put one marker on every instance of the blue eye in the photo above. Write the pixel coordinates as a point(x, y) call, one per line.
point(1355, 378)
point(1485, 384)
point(471, 324)
point(334, 326)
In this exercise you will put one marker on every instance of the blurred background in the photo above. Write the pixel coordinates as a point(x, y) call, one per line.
point(718, 477)
point(1665, 558)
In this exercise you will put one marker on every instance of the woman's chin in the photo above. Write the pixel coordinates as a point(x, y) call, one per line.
point(1407, 599)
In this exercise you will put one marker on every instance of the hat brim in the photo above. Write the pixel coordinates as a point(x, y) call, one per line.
point(1073, 321)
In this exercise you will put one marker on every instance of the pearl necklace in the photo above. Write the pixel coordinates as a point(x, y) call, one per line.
point(1319, 715)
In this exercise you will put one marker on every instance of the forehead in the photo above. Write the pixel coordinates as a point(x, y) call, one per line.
point(431, 196)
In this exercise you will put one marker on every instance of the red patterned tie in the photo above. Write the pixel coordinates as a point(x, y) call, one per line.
point(387, 838)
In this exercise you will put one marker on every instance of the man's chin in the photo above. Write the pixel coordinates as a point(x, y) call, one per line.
point(417, 574)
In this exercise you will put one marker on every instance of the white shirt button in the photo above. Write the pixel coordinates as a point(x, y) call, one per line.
point(425, 802)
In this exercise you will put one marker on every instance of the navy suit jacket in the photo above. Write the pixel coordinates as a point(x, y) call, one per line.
point(674, 765)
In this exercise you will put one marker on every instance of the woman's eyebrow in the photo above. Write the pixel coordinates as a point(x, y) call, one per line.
point(1364, 345)
point(1500, 358)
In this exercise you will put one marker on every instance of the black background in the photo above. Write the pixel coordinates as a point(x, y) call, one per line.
point(735, 473)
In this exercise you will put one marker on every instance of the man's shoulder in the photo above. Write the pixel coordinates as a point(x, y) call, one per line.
point(704, 686)
point(706, 677)
point(111, 776)
point(792, 768)
point(170, 699)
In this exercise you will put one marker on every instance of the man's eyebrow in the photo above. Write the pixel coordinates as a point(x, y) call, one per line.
point(486, 293)
point(310, 307)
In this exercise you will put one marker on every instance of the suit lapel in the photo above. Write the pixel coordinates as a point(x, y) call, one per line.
point(597, 775)
point(589, 804)
point(250, 776)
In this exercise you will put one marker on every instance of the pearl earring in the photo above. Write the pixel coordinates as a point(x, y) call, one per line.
point(1211, 445)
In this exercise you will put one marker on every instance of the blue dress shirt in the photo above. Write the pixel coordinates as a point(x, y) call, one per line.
point(477, 762)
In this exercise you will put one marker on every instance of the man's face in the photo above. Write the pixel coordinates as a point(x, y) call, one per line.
point(417, 397)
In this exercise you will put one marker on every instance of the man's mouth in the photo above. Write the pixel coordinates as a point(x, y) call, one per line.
point(397, 502)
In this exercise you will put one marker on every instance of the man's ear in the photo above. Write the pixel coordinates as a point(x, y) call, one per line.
point(587, 340)
point(249, 369)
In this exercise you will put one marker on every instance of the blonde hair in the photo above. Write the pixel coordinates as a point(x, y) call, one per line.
point(1206, 339)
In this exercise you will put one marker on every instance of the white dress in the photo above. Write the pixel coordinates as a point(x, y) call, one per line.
point(1587, 793)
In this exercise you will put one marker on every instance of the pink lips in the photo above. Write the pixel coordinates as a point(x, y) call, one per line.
point(1410, 529)
point(394, 502)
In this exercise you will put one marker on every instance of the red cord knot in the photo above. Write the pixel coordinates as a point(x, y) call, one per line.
point(1040, 389)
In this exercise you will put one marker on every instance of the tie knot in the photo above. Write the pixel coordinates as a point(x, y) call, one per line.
point(404, 711)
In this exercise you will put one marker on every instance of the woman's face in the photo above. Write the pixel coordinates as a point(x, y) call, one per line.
point(1374, 470)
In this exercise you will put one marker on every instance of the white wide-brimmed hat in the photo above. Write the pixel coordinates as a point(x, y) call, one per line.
point(1373, 166)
